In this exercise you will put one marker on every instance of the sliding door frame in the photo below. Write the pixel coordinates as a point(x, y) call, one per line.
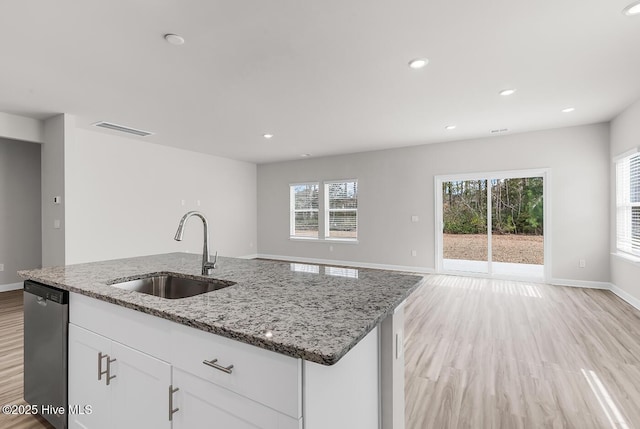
point(545, 173)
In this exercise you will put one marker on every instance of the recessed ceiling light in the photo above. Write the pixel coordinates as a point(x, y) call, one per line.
point(267, 136)
point(418, 63)
point(450, 127)
point(174, 39)
point(568, 109)
point(632, 9)
point(508, 91)
point(305, 155)
point(499, 130)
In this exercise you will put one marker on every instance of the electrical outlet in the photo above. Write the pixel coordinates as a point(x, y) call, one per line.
point(1, 267)
point(415, 218)
point(414, 253)
point(582, 263)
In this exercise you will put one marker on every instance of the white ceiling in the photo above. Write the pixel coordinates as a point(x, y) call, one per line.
point(326, 77)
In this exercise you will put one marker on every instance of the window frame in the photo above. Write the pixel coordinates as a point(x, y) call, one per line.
point(328, 210)
point(627, 190)
point(293, 211)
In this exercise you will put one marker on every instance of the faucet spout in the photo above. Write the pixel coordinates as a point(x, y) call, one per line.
point(206, 264)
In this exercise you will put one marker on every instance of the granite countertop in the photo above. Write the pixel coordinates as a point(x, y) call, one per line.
point(317, 313)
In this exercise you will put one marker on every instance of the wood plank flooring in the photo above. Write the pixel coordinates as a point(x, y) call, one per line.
point(11, 372)
point(484, 353)
point(479, 354)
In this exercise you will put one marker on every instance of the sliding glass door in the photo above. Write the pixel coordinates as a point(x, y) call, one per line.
point(492, 224)
point(465, 239)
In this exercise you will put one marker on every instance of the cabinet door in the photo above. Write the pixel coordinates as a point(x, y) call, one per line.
point(85, 390)
point(205, 405)
point(140, 390)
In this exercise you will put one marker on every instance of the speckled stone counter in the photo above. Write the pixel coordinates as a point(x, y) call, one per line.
point(317, 313)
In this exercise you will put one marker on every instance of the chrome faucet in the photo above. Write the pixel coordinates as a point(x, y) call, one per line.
point(206, 265)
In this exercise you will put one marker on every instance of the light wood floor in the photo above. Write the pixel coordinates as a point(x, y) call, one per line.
point(11, 352)
point(479, 354)
point(484, 353)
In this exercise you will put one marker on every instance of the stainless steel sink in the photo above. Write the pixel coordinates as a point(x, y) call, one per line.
point(171, 286)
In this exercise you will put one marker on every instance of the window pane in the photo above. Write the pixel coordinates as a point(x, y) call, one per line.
point(343, 224)
point(635, 230)
point(343, 195)
point(634, 179)
point(306, 224)
point(628, 204)
point(304, 210)
point(342, 209)
point(306, 197)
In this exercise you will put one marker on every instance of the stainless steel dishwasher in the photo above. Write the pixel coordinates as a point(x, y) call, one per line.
point(46, 328)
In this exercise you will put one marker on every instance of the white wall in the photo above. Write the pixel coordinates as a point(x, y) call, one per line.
point(53, 152)
point(124, 198)
point(21, 128)
point(20, 238)
point(395, 184)
point(625, 135)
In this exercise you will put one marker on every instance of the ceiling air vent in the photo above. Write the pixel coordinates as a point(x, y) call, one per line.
point(122, 128)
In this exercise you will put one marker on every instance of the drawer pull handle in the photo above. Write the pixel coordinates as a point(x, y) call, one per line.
point(212, 363)
point(109, 376)
point(172, 410)
point(100, 371)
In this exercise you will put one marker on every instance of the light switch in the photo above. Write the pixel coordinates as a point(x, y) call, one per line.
point(57, 200)
point(414, 218)
point(56, 224)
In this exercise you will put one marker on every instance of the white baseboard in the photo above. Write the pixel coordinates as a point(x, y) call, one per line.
point(421, 270)
point(10, 286)
point(626, 296)
point(581, 283)
point(254, 256)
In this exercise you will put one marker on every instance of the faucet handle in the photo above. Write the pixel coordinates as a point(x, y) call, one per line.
point(215, 260)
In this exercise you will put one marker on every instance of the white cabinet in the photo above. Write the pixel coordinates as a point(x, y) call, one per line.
point(268, 378)
point(124, 387)
point(85, 390)
point(263, 389)
point(206, 405)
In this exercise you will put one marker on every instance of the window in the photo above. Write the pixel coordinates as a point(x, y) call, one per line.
point(341, 209)
point(628, 204)
point(304, 210)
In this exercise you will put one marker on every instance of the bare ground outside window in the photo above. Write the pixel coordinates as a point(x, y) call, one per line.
point(512, 248)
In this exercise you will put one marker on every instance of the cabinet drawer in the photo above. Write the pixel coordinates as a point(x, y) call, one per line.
point(270, 378)
point(206, 405)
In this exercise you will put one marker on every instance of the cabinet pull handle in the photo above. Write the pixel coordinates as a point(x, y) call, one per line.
point(212, 363)
point(100, 371)
point(108, 372)
point(172, 410)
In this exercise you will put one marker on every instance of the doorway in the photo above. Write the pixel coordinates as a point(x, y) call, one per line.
point(494, 224)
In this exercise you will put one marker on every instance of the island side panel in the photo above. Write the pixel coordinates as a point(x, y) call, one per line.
point(392, 370)
point(344, 395)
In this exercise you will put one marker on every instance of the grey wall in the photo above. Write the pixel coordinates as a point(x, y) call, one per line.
point(625, 135)
point(20, 234)
point(53, 184)
point(125, 197)
point(395, 184)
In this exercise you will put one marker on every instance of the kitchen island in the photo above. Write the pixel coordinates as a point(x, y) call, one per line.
point(302, 345)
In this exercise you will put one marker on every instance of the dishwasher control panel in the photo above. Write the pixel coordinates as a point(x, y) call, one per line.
point(47, 292)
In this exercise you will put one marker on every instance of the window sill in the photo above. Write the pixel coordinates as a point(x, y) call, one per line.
point(325, 240)
point(627, 257)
